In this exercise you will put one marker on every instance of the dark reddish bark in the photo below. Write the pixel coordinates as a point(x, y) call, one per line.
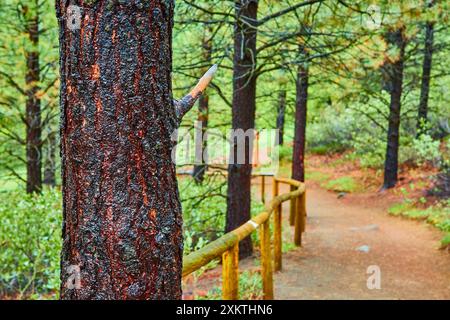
point(33, 103)
point(298, 155)
point(426, 72)
point(202, 118)
point(243, 117)
point(281, 116)
point(395, 73)
point(122, 216)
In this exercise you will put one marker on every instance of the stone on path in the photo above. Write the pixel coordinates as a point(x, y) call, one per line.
point(365, 248)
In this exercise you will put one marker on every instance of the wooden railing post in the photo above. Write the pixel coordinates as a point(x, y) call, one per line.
point(266, 261)
point(299, 219)
point(303, 210)
point(263, 189)
point(277, 232)
point(230, 273)
point(292, 209)
point(275, 188)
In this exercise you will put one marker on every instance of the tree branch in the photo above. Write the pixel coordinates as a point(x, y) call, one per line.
point(187, 102)
point(287, 10)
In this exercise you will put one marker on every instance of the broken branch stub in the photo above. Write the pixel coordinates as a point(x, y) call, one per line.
point(187, 102)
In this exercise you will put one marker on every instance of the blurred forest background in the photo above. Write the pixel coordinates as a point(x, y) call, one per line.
point(362, 68)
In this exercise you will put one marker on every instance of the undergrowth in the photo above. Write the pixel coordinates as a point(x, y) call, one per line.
point(437, 214)
point(250, 288)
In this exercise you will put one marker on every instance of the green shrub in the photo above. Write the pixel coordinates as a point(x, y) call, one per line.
point(445, 242)
point(250, 288)
point(331, 133)
point(317, 176)
point(398, 208)
point(204, 208)
point(369, 149)
point(30, 241)
point(287, 246)
point(426, 149)
point(437, 215)
point(204, 211)
point(30, 233)
point(322, 149)
point(342, 184)
point(285, 152)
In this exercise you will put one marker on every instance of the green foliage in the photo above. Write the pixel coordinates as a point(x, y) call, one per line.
point(330, 134)
point(256, 208)
point(437, 215)
point(285, 152)
point(14, 45)
point(445, 241)
point(316, 176)
point(250, 288)
point(342, 184)
point(204, 209)
point(250, 285)
point(426, 149)
point(30, 241)
point(30, 233)
point(369, 149)
point(398, 208)
point(287, 246)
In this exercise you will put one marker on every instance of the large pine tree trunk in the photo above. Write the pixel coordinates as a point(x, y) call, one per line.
point(298, 156)
point(426, 72)
point(243, 117)
point(395, 71)
point(281, 116)
point(202, 118)
point(122, 214)
point(33, 103)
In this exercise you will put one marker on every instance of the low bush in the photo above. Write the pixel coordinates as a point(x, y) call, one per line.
point(204, 209)
point(331, 133)
point(30, 242)
point(250, 288)
point(437, 215)
point(30, 233)
point(342, 184)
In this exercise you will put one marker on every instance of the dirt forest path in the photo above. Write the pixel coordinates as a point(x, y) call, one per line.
point(346, 236)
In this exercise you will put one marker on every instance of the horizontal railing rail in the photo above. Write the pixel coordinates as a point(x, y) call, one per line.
point(227, 246)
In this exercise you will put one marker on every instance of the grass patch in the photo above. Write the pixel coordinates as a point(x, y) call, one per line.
point(317, 176)
point(398, 208)
point(250, 288)
point(287, 246)
point(319, 150)
point(30, 244)
point(445, 242)
point(342, 184)
point(437, 215)
point(327, 148)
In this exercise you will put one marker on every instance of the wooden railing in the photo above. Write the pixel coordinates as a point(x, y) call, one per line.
point(227, 246)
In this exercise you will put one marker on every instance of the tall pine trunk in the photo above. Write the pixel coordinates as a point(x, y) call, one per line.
point(243, 117)
point(395, 72)
point(281, 116)
point(426, 72)
point(202, 118)
point(33, 102)
point(122, 224)
point(298, 156)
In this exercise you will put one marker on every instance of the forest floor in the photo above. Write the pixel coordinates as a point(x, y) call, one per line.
point(346, 234)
